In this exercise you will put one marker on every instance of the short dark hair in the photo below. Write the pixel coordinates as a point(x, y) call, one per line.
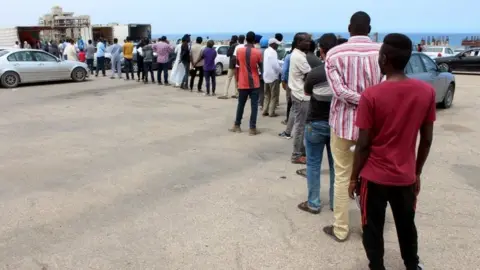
point(341, 41)
point(241, 38)
point(115, 40)
point(312, 46)
point(327, 42)
point(359, 23)
point(127, 39)
point(89, 41)
point(250, 37)
point(210, 43)
point(279, 37)
point(299, 37)
point(199, 40)
point(397, 48)
point(234, 39)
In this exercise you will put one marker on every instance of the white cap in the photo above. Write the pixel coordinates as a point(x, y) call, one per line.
point(273, 41)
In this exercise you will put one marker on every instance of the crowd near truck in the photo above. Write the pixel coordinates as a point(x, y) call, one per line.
point(121, 31)
point(30, 34)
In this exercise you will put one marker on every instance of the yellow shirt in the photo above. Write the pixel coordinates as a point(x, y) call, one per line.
point(128, 50)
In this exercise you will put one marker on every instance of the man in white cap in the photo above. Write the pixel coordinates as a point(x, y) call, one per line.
point(271, 72)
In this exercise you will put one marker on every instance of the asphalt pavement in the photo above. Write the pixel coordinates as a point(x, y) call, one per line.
point(108, 174)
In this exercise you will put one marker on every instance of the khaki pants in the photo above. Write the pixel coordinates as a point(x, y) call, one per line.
point(343, 158)
point(271, 97)
point(230, 76)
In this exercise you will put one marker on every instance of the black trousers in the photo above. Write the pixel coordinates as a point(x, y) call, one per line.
point(90, 65)
point(148, 68)
point(373, 203)
point(200, 79)
point(128, 68)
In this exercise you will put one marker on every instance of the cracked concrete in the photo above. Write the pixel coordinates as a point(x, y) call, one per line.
point(109, 174)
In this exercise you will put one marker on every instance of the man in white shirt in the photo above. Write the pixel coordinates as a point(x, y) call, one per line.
point(299, 68)
point(17, 45)
point(271, 73)
point(70, 53)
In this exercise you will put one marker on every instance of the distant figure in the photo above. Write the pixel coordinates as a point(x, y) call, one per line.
point(90, 54)
point(140, 70)
point(208, 55)
point(197, 61)
point(148, 61)
point(185, 58)
point(100, 58)
point(17, 45)
point(163, 50)
point(128, 58)
point(53, 48)
point(81, 56)
point(241, 44)
point(313, 60)
point(281, 49)
point(271, 76)
point(419, 48)
point(178, 69)
point(249, 60)
point(70, 53)
point(231, 67)
point(26, 45)
point(116, 52)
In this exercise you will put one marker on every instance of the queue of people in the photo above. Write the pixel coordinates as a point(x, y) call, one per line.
point(357, 103)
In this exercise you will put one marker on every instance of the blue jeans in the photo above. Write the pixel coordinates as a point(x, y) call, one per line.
point(162, 67)
point(317, 136)
point(243, 95)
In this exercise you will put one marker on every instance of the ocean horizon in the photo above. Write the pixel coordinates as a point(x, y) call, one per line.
point(455, 39)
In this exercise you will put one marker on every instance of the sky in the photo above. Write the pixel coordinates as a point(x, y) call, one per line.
point(215, 16)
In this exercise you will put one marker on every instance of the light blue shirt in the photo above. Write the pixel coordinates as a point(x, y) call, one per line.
point(100, 49)
point(116, 51)
point(286, 68)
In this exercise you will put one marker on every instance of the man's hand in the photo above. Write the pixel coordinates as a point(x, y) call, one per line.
point(284, 85)
point(351, 188)
point(417, 185)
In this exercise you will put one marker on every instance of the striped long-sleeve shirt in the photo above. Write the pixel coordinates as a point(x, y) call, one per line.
point(351, 68)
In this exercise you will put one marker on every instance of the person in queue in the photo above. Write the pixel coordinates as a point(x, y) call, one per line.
point(348, 82)
point(385, 168)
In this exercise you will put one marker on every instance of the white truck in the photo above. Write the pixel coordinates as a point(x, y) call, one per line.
point(121, 32)
point(30, 34)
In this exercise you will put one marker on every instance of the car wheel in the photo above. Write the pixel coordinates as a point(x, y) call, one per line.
point(444, 66)
point(448, 99)
point(10, 79)
point(79, 74)
point(219, 69)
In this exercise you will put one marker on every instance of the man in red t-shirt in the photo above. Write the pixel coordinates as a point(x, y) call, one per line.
point(389, 116)
point(249, 60)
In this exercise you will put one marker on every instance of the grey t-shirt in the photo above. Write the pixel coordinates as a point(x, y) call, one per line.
point(90, 51)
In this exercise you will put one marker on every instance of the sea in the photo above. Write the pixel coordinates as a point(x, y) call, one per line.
point(455, 39)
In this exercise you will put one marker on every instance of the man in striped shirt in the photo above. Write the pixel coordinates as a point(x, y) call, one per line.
point(351, 68)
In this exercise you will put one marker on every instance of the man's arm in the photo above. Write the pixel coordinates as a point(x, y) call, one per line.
point(276, 63)
point(364, 122)
point(313, 78)
point(426, 139)
point(336, 82)
point(304, 67)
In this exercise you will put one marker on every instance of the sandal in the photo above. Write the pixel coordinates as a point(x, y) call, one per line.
point(302, 172)
point(328, 230)
point(304, 207)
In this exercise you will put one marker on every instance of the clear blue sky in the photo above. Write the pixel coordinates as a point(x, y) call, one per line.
point(197, 16)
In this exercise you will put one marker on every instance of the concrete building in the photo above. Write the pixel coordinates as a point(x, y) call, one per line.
point(65, 24)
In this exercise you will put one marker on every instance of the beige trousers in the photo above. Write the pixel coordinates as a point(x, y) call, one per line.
point(271, 98)
point(230, 76)
point(343, 158)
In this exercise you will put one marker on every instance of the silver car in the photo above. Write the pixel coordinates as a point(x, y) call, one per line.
point(18, 66)
point(423, 68)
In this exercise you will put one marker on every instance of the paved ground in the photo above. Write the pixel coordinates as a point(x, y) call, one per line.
point(109, 174)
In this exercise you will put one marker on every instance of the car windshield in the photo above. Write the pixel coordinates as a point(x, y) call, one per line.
point(3, 52)
point(433, 49)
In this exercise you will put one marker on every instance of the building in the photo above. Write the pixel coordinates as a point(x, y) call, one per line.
point(64, 24)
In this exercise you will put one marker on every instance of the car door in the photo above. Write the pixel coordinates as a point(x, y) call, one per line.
point(26, 66)
point(222, 56)
point(49, 66)
point(438, 82)
point(472, 60)
point(449, 52)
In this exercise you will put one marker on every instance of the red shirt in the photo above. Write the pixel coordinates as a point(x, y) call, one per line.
point(81, 56)
point(248, 60)
point(394, 113)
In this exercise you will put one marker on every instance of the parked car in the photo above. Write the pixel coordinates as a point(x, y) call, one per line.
point(469, 60)
point(222, 60)
point(18, 66)
point(424, 68)
point(438, 51)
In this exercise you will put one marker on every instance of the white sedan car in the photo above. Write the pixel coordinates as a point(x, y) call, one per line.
point(18, 66)
point(438, 51)
point(222, 61)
